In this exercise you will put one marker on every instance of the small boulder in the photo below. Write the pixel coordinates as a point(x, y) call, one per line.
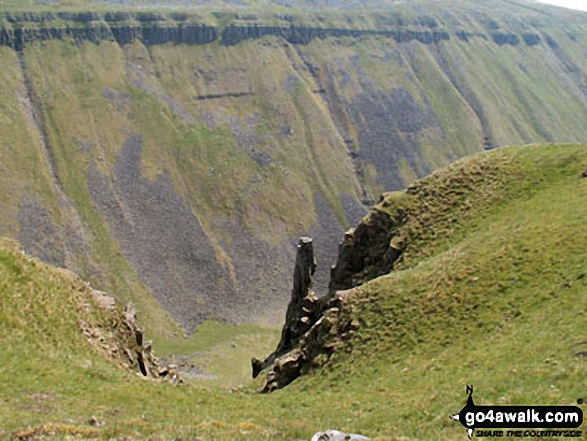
point(335, 435)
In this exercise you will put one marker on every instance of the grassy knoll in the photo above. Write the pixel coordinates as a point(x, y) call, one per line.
point(492, 291)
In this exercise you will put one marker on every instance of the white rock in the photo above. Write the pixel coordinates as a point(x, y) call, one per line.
point(335, 435)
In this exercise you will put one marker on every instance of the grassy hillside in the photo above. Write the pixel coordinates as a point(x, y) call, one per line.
point(491, 291)
point(177, 175)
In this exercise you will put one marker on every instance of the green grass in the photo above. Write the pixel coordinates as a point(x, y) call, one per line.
point(220, 352)
point(208, 335)
point(493, 295)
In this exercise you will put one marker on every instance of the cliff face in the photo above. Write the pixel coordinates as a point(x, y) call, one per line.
point(154, 29)
point(174, 160)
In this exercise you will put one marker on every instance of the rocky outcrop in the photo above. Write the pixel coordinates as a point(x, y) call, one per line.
point(235, 34)
point(313, 327)
point(369, 250)
point(216, 96)
point(531, 39)
point(324, 335)
point(19, 36)
point(303, 307)
point(149, 34)
point(124, 342)
point(182, 34)
point(180, 28)
point(501, 39)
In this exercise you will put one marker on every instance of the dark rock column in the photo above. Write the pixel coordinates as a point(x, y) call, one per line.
point(303, 310)
point(313, 327)
point(303, 299)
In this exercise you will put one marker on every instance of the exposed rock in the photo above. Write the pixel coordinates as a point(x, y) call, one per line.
point(323, 337)
point(222, 95)
point(501, 39)
point(312, 328)
point(531, 39)
point(179, 28)
point(152, 28)
point(551, 42)
point(38, 233)
point(315, 327)
point(464, 36)
point(125, 200)
point(303, 305)
point(368, 251)
point(149, 16)
point(335, 435)
point(487, 143)
point(389, 126)
point(123, 340)
point(116, 16)
point(234, 34)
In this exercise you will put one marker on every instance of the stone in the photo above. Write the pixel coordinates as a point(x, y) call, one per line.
point(313, 327)
point(335, 435)
point(257, 367)
point(302, 310)
point(368, 251)
point(124, 341)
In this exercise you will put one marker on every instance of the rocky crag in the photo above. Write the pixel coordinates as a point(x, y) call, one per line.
point(155, 29)
point(123, 340)
point(315, 326)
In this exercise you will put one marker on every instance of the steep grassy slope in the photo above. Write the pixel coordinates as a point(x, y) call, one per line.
point(493, 292)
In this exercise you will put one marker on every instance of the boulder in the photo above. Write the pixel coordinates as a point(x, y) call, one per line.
point(335, 435)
